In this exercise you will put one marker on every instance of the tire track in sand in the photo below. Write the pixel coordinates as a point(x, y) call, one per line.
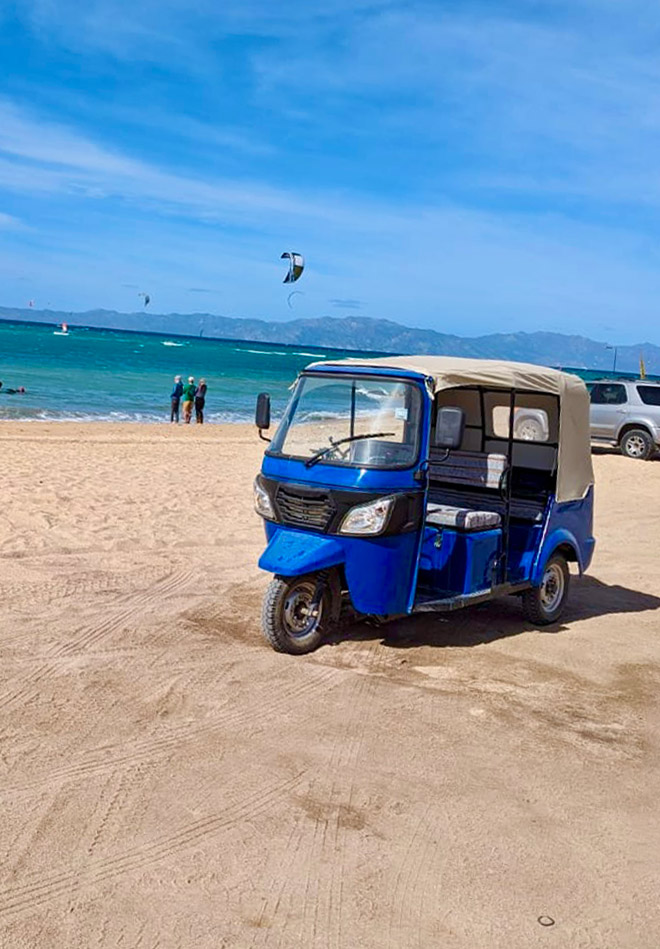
point(405, 922)
point(47, 590)
point(126, 754)
point(320, 840)
point(45, 888)
point(86, 636)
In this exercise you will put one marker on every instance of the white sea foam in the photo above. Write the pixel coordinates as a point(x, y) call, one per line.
point(378, 395)
point(321, 416)
point(46, 415)
point(263, 352)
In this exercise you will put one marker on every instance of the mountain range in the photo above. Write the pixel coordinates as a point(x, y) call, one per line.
point(364, 333)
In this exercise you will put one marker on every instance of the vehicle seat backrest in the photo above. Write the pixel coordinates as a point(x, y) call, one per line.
point(472, 468)
point(528, 454)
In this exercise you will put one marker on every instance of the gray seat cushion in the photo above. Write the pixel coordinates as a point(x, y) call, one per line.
point(444, 515)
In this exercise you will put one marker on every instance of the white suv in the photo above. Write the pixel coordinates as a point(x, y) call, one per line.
point(626, 414)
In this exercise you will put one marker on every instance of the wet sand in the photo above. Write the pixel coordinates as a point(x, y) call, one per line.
point(170, 781)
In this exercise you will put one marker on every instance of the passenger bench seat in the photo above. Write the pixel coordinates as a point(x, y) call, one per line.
point(474, 469)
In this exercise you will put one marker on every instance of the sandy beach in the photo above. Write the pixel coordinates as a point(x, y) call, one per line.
point(170, 781)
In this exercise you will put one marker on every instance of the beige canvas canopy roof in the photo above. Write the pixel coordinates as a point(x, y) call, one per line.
point(574, 468)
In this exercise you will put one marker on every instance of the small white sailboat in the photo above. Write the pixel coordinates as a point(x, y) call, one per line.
point(62, 331)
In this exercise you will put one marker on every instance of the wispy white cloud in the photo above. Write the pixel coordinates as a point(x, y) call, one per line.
point(9, 223)
point(151, 30)
point(569, 100)
point(455, 269)
point(447, 163)
point(343, 304)
point(576, 107)
point(40, 156)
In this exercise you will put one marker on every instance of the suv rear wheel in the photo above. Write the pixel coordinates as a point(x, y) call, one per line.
point(637, 443)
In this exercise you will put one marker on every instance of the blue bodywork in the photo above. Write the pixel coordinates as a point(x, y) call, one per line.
point(568, 525)
point(390, 574)
point(455, 563)
point(379, 571)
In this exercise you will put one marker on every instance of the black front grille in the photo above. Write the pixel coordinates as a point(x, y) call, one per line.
point(300, 510)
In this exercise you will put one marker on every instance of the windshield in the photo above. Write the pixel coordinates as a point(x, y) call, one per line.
point(341, 420)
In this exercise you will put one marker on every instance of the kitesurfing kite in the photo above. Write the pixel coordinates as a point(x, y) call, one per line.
point(147, 298)
point(296, 266)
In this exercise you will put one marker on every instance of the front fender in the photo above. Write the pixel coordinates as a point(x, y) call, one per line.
point(293, 553)
point(560, 537)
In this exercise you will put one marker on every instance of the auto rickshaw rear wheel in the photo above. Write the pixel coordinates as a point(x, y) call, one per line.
point(544, 604)
point(296, 613)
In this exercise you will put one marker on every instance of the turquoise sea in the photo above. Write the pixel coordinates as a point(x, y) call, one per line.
point(111, 375)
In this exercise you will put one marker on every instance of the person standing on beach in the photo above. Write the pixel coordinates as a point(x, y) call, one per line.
point(200, 398)
point(175, 397)
point(188, 399)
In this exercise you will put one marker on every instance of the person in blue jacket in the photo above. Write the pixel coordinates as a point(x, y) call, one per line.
point(175, 397)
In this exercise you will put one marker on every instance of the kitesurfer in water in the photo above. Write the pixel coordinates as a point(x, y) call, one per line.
point(19, 391)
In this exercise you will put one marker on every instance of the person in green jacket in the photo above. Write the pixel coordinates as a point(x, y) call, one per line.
point(188, 399)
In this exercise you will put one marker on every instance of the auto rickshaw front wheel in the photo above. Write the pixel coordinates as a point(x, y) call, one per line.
point(296, 613)
point(544, 604)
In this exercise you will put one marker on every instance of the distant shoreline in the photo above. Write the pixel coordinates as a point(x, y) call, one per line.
point(103, 420)
point(112, 375)
point(588, 374)
point(356, 333)
point(69, 429)
point(197, 337)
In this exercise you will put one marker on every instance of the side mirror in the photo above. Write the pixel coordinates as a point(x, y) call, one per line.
point(449, 427)
point(262, 414)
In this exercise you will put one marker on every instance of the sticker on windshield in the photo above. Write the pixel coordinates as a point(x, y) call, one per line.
point(401, 414)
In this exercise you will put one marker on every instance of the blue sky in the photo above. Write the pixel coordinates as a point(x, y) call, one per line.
point(471, 167)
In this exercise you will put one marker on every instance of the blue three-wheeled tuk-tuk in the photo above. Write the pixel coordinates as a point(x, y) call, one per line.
point(422, 483)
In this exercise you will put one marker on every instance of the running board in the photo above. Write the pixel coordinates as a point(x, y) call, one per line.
point(448, 604)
